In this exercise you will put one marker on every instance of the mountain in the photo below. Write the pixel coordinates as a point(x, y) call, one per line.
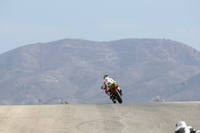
point(186, 90)
point(72, 70)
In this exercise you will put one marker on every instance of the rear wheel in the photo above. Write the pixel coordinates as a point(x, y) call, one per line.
point(119, 98)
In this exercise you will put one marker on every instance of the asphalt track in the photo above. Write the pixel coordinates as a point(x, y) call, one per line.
point(98, 118)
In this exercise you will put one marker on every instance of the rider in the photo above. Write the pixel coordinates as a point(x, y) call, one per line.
point(108, 83)
point(181, 127)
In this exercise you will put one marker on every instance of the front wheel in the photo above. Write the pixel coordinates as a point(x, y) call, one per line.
point(119, 98)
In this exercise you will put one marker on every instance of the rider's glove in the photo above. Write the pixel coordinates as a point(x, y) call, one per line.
point(102, 87)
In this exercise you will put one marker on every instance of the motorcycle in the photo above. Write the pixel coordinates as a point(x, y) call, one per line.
point(115, 95)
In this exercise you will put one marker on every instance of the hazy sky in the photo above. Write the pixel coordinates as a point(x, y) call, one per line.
point(25, 22)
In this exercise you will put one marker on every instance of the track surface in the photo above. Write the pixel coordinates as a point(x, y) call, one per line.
point(98, 118)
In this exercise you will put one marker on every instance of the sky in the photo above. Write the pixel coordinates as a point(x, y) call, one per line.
point(24, 22)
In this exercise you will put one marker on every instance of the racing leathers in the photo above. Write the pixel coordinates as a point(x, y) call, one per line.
point(187, 129)
point(108, 83)
point(181, 127)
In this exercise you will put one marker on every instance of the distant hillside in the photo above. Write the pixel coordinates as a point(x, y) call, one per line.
point(72, 70)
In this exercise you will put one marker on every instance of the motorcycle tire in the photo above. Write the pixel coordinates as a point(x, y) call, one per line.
point(119, 98)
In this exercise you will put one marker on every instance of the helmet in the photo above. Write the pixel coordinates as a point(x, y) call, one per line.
point(105, 76)
point(180, 124)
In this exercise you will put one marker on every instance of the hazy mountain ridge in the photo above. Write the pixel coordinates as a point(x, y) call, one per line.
point(72, 70)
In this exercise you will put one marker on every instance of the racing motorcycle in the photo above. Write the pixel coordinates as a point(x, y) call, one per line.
point(115, 95)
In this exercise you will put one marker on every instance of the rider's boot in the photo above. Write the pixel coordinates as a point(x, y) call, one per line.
point(120, 91)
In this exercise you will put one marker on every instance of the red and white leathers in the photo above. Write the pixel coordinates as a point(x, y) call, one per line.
point(106, 84)
point(181, 127)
